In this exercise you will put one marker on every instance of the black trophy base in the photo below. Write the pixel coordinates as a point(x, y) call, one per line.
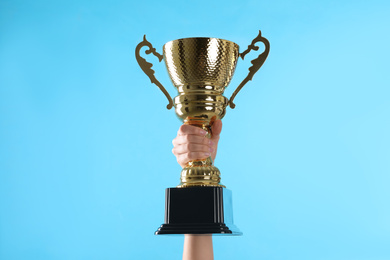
point(198, 210)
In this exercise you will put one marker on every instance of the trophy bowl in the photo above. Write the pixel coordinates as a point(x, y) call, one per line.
point(201, 64)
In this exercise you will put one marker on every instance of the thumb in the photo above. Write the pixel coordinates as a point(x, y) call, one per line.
point(216, 129)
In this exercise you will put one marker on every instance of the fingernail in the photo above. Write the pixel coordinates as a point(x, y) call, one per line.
point(207, 154)
point(211, 149)
point(203, 132)
point(211, 142)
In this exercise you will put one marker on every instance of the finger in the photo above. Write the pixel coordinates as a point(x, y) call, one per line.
point(191, 130)
point(195, 139)
point(186, 148)
point(216, 128)
point(186, 157)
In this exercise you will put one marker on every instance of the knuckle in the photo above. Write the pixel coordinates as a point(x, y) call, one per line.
point(180, 159)
point(180, 130)
point(187, 156)
point(185, 160)
point(183, 129)
point(191, 155)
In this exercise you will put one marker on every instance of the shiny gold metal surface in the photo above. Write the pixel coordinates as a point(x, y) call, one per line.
point(257, 63)
point(147, 67)
point(201, 69)
point(201, 62)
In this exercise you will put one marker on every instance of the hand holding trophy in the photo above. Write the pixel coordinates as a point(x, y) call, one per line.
point(191, 143)
point(200, 69)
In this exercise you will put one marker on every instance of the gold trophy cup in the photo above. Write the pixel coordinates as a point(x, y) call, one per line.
point(200, 69)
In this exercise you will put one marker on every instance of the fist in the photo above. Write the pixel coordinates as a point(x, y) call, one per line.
point(191, 143)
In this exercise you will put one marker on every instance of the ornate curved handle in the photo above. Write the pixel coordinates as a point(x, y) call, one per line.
point(147, 67)
point(257, 63)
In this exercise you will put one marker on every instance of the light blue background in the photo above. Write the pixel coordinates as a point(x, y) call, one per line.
point(85, 139)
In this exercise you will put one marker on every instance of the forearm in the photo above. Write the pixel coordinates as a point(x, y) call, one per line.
point(198, 247)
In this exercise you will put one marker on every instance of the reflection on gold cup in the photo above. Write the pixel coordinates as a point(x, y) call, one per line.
point(201, 69)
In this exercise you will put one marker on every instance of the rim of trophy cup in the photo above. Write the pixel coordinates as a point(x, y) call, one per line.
point(194, 38)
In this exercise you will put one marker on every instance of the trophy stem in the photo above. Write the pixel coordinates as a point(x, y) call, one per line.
point(202, 172)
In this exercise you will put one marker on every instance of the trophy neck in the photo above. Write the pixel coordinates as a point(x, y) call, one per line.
point(200, 106)
point(201, 88)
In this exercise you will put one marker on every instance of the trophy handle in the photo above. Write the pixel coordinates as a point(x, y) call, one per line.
point(257, 63)
point(147, 67)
